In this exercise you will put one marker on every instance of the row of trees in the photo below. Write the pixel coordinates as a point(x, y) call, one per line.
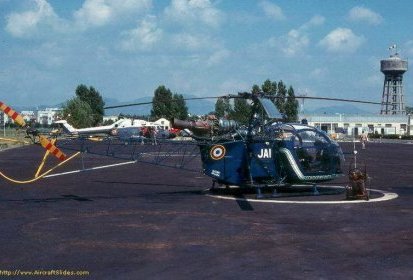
point(86, 108)
point(283, 98)
point(168, 105)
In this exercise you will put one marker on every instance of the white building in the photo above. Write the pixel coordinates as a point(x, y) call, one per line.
point(28, 116)
point(357, 124)
point(48, 115)
point(4, 118)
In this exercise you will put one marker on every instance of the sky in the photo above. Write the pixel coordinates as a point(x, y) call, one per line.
point(127, 48)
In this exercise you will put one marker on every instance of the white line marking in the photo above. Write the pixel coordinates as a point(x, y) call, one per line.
point(90, 169)
point(386, 196)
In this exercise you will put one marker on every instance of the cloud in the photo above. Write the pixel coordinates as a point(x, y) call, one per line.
point(95, 13)
point(233, 85)
point(271, 10)
point(318, 73)
point(296, 40)
point(27, 23)
point(316, 20)
point(193, 42)
point(361, 14)
point(217, 57)
point(409, 48)
point(294, 43)
point(194, 11)
point(342, 40)
point(143, 37)
point(373, 80)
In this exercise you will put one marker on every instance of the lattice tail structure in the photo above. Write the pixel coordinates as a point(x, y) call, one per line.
point(178, 154)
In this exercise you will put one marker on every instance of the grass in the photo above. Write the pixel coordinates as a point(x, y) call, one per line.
point(11, 138)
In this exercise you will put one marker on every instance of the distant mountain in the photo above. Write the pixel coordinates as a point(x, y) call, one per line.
point(18, 108)
point(200, 106)
point(197, 107)
point(132, 110)
point(342, 109)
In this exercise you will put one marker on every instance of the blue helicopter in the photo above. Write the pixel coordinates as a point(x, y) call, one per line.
point(267, 152)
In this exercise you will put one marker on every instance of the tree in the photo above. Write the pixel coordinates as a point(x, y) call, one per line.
point(95, 101)
point(179, 108)
point(409, 110)
point(291, 106)
point(161, 103)
point(168, 105)
point(78, 113)
point(269, 87)
point(281, 97)
point(255, 89)
point(222, 107)
point(242, 111)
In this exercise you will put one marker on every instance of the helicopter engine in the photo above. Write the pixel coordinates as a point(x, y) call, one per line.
point(210, 126)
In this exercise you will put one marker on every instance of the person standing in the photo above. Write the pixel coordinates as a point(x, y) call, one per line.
point(363, 139)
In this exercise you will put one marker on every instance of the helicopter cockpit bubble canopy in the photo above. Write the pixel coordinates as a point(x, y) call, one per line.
point(310, 150)
point(270, 109)
point(303, 134)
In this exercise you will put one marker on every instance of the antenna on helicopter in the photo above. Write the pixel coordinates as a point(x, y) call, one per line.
point(354, 148)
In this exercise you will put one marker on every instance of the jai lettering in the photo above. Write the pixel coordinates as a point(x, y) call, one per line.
point(265, 153)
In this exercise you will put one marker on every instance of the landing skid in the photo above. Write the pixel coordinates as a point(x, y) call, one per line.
point(268, 191)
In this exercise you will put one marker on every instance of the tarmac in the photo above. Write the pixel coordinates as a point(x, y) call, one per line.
point(140, 221)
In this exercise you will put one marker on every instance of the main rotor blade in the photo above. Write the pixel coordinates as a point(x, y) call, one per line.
point(16, 117)
point(150, 102)
point(338, 99)
point(128, 105)
point(48, 145)
point(266, 95)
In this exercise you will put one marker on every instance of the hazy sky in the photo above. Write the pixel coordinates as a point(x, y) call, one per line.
point(125, 49)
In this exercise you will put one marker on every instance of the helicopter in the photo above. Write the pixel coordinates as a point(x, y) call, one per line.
point(264, 153)
point(122, 128)
point(267, 152)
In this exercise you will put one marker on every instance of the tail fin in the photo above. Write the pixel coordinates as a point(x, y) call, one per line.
point(67, 127)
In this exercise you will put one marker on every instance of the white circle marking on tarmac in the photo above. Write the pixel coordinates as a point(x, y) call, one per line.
point(386, 196)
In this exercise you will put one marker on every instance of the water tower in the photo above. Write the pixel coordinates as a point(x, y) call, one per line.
point(393, 68)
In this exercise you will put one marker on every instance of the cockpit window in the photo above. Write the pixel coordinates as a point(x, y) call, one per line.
point(312, 138)
point(311, 147)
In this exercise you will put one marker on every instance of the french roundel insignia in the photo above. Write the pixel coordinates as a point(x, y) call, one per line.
point(217, 152)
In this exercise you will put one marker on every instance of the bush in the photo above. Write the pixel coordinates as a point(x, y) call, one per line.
point(390, 136)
